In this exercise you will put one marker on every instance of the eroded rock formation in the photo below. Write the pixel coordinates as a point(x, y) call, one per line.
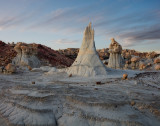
point(10, 68)
point(115, 59)
point(87, 62)
point(26, 55)
point(47, 55)
point(135, 62)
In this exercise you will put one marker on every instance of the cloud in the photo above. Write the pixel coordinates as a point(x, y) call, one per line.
point(141, 36)
point(66, 41)
point(69, 19)
point(131, 26)
point(19, 15)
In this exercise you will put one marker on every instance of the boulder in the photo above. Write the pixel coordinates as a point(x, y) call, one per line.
point(142, 66)
point(125, 77)
point(135, 59)
point(157, 67)
point(10, 68)
point(157, 60)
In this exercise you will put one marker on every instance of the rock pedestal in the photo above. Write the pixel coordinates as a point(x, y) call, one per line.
point(26, 55)
point(115, 59)
point(87, 62)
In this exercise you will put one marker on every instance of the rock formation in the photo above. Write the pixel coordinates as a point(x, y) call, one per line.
point(26, 55)
point(135, 62)
point(87, 62)
point(115, 59)
point(10, 68)
point(157, 67)
point(142, 65)
point(47, 55)
point(156, 60)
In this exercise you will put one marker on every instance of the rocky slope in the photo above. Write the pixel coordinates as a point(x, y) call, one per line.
point(53, 57)
point(104, 53)
point(46, 55)
point(7, 53)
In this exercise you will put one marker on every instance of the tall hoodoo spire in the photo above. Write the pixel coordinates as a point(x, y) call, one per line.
point(87, 62)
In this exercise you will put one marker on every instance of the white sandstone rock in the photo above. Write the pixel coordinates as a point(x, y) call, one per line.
point(87, 62)
point(26, 55)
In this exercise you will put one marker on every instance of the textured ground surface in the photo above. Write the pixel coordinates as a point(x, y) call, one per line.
point(56, 100)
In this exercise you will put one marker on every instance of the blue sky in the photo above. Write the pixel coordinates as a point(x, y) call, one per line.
point(59, 24)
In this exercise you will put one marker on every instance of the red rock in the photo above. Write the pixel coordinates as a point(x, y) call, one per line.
point(43, 52)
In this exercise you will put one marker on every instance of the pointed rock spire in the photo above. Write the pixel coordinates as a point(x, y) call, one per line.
point(87, 62)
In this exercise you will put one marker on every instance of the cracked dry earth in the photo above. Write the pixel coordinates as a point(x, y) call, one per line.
point(52, 102)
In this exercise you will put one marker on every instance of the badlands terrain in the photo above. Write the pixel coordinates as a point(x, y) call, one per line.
point(78, 87)
point(59, 100)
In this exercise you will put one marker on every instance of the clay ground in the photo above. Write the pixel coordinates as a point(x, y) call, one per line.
point(57, 100)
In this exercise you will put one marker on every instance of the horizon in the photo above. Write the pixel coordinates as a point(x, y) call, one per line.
point(60, 25)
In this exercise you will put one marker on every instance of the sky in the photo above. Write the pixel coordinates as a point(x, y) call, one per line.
point(60, 24)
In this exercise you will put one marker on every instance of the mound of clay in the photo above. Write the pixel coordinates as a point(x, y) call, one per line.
point(87, 62)
point(115, 59)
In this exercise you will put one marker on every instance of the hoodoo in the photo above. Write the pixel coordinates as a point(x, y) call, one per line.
point(26, 55)
point(87, 62)
point(115, 59)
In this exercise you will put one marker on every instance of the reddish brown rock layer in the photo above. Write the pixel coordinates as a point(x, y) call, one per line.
point(46, 54)
point(7, 53)
point(54, 57)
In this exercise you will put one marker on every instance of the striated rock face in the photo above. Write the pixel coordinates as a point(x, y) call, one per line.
point(87, 62)
point(115, 59)
point(26, 55)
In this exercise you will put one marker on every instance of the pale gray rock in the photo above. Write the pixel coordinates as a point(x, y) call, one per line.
point(87, 62)
point(26, 55)
point(115, 59)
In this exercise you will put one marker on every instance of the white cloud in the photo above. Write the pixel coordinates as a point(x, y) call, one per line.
point(66, 41)
point(1, 28)
point(128, 42)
